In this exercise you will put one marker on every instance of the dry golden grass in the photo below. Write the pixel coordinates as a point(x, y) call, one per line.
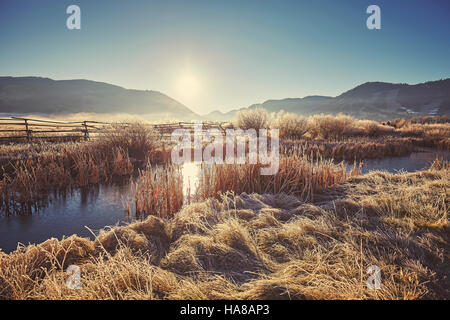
point(136, 138)
point(432, 135)
point(32, 172)
point(434, 131)
point(296, 175)
point(260, 247)
point(327, 126)
point(308, 232)
point(252, 119)
point(401, 122)
point(159, 191)
point(339, 127)
point(353, 149)
point(290, 126)
point(30, 180)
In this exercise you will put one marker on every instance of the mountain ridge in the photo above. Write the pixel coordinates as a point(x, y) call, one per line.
point(371, 100)
point(48, 96)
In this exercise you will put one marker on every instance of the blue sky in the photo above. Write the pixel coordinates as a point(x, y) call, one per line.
point(227, 54)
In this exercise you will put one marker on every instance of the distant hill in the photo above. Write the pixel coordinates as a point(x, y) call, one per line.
point(24, 95)
point(371, 100)
point(292, 104)
point(288, 104)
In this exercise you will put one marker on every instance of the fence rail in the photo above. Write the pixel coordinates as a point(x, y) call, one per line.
point(19, 129)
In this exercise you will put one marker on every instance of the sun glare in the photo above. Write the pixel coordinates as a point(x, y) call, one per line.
point(188, 86)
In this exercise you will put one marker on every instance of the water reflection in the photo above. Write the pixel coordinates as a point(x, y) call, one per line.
point(191, 173)
point(94, 207)
point(414, 162)
point(102, 205)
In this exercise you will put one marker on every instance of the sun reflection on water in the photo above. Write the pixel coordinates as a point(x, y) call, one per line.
point(191, 173)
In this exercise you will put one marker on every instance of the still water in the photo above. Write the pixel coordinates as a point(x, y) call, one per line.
point(94, 208)
point(102, 205)
point(414, 162)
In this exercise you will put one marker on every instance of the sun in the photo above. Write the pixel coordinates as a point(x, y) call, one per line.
point(188, 86)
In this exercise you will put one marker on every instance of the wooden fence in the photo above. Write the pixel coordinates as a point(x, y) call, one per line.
point(18, 129)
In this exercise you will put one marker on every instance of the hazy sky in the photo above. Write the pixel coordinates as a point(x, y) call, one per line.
point(227, 54)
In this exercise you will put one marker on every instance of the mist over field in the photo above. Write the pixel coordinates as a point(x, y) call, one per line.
point(372, 100)
point(92, 116)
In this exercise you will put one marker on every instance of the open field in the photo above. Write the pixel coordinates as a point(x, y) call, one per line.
point(308, 232)
point(260, 247)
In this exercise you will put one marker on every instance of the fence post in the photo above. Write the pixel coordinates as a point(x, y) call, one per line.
point(28, 131)
point(86, 132)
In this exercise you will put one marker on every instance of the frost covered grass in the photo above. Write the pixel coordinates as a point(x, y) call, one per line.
point(260, 246)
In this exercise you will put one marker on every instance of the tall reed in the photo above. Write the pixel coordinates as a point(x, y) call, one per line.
point(159, 191)
point(296, 175)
